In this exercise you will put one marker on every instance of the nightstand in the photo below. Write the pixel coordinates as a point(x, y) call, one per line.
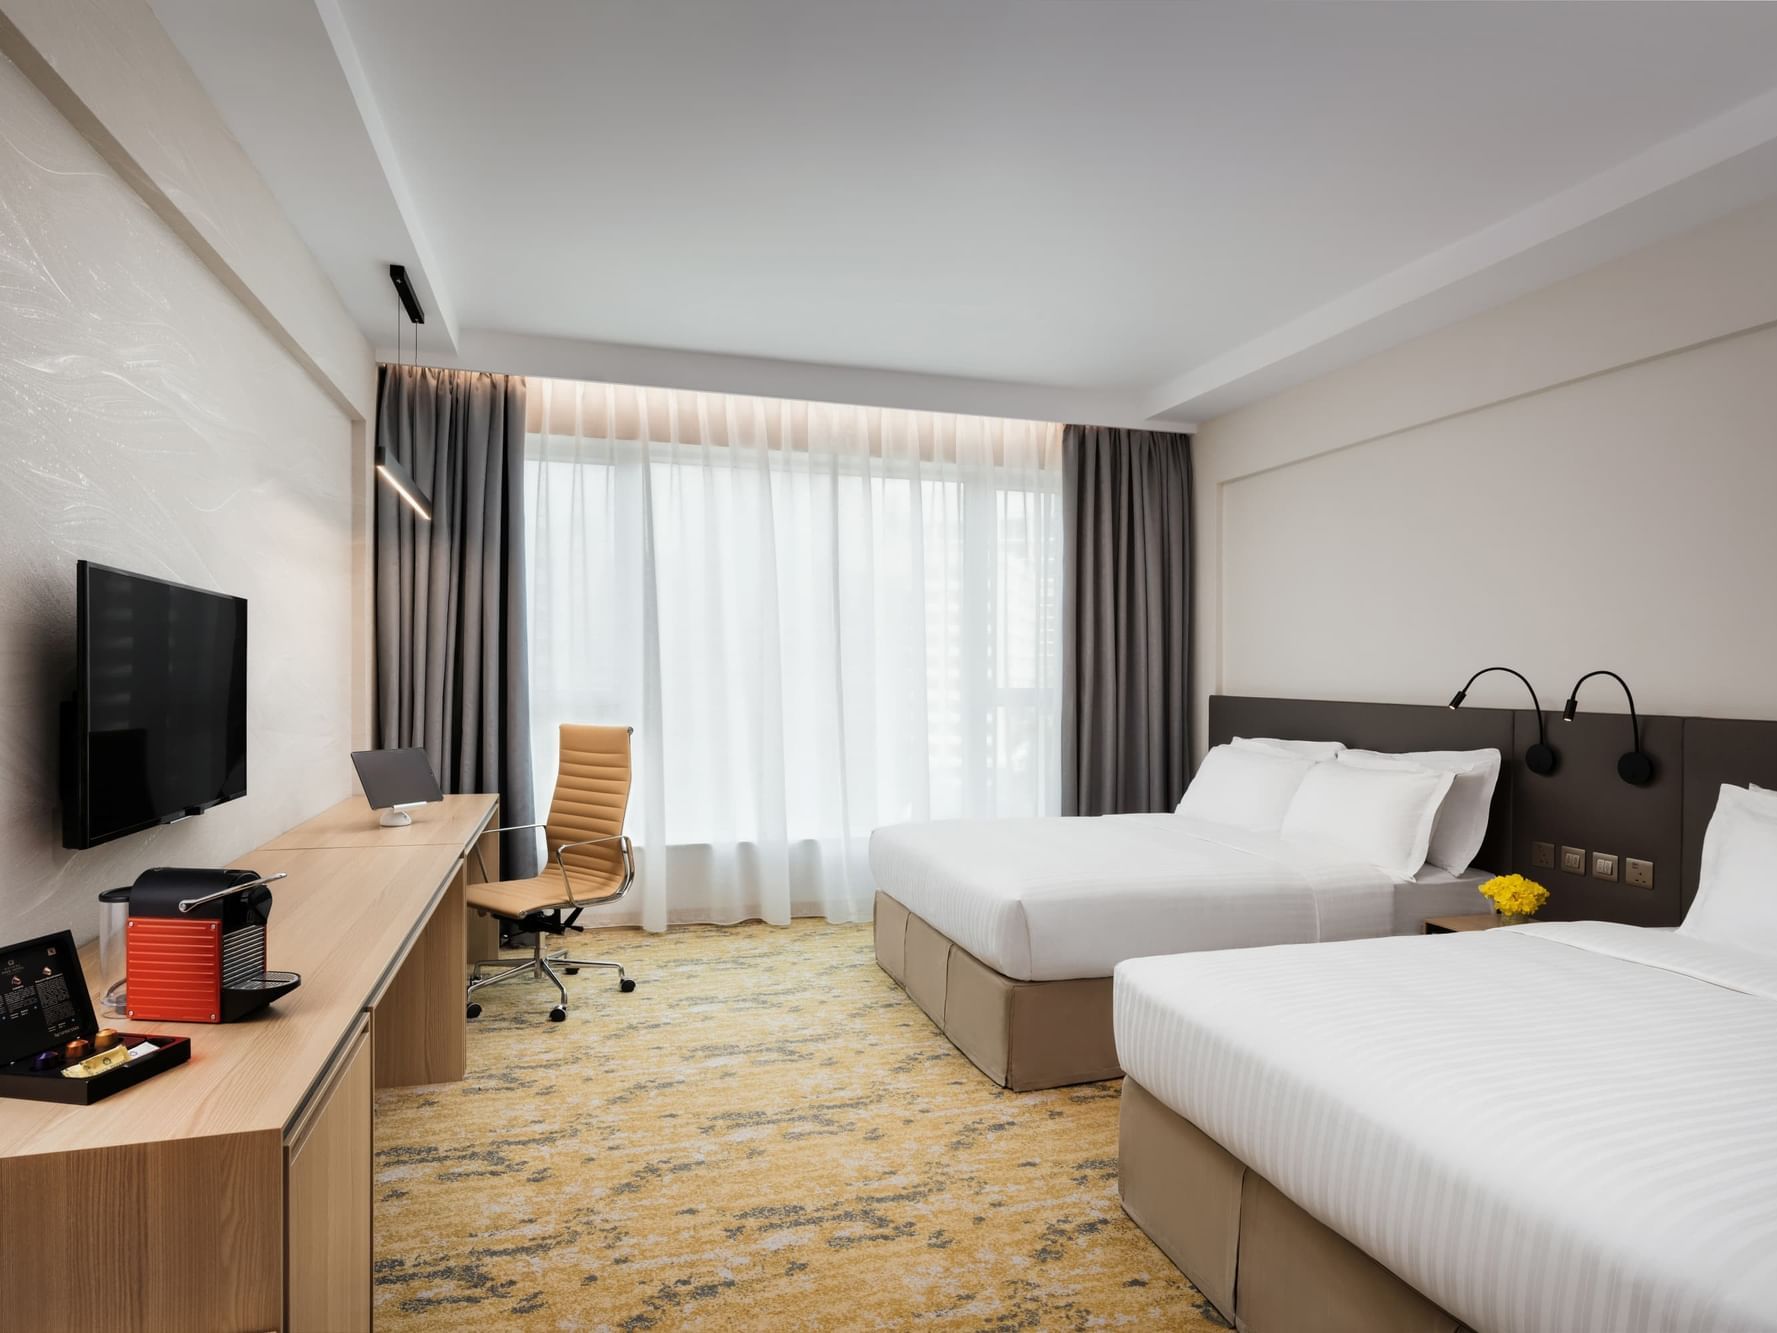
point(1450, 925)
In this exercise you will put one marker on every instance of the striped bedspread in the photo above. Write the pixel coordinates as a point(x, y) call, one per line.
point(1553, 1127)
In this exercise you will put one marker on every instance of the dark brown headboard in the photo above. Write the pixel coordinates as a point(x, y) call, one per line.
point(1582, 804)
point(1718, 751)
point(1394, 727)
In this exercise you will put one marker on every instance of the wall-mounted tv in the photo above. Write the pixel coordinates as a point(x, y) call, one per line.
point(157, 730)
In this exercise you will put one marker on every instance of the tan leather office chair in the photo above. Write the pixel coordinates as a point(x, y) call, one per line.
point(590, 862)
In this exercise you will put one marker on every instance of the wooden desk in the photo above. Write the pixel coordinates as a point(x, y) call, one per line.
point(457, 821)
point(211, 1196)
point(453, 822)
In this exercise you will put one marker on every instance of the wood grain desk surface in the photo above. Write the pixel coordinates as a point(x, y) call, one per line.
point(452, 822)
point(344, 919)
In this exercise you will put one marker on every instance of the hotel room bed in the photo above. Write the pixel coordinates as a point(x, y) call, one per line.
point(1006, 932)
point(1566, 1126)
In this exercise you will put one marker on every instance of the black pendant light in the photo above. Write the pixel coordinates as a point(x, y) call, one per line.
point(388, 467)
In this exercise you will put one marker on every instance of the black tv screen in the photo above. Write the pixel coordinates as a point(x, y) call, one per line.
point(158, 729)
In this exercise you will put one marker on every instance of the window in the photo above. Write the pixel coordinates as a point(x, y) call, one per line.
point(818, 620)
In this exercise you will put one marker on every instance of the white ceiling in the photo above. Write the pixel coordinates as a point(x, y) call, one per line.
point(1071, 208)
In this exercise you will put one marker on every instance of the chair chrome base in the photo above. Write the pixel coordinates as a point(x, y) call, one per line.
point(538, 966)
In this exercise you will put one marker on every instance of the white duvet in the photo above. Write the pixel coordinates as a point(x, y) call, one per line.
point(1557, 1127)
point(1048, 899)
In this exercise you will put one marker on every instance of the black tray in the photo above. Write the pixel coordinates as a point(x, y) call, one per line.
point(45, 1002)
point(47, 1085)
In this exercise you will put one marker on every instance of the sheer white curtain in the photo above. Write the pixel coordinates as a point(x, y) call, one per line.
point(818, 620)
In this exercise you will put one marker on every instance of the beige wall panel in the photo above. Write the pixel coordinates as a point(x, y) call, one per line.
point(1577, 479)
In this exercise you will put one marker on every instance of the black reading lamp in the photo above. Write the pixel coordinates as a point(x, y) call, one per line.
point(1636, 767)
point(388, 467)
point(1539, 758)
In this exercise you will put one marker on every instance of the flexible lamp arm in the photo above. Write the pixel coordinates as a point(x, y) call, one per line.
point(1573, 702)
point(1636, 767)
point(1540, 758)
point(1541, 736)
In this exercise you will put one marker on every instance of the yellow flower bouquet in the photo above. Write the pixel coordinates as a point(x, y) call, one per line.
point(1514, 897)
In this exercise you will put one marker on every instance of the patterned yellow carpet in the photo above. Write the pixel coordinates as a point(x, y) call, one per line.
point(766, 1134)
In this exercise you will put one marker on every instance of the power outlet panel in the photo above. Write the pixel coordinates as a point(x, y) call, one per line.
point(1573, 860)
point(1638, 874)
point(1542, 855)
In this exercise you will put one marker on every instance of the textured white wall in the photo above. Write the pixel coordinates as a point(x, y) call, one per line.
point(1582, 478)
point(148, 421)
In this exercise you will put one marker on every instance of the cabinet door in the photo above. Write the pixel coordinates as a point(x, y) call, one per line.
point(327, 1229)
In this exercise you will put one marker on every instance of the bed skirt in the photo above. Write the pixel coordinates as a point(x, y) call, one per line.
point(1260, 1260)
point(1023, 1035)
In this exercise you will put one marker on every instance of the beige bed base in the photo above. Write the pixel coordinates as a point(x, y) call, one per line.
point(1259, 1259)
point(1023, 1035)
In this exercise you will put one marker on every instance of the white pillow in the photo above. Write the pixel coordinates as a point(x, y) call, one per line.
point(1249, 789)
point(1382, 816)
point(1461, 825)
point(1316, 750)
point(1736, 900)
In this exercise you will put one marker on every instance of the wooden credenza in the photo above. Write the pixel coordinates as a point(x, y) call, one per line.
point(235, 1192)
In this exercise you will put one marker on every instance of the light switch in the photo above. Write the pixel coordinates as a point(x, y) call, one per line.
point(1573, 860)
point(1637, 873)
point(1542, 855)
point(1604, 865)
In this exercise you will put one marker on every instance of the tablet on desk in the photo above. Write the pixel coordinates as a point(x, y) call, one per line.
point(396, 780)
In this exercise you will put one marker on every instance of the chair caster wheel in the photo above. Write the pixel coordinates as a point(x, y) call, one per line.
point(558, 1015)
point(626, 984)
point(474, 1011)
point(572, 971)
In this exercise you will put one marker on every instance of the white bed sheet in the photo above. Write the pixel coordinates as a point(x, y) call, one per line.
point(1548, 1127)
point(1049, 899)
point(1434, 891)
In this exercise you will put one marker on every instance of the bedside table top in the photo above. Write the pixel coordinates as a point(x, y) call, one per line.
point(1444, 925)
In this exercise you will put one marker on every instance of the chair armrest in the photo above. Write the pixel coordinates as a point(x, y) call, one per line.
point(629, 864)
point(504, 828)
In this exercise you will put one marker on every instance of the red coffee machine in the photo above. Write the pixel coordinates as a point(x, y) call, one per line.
point(196, 946)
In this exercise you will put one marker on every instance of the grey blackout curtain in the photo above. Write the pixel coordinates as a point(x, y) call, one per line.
point(452, 660)
point(1126, 620)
